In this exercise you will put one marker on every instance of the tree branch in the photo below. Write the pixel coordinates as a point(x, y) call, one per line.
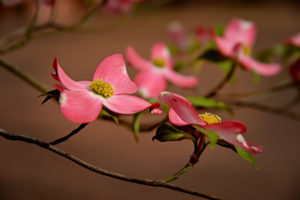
point(223, 82)
point(75, 131)
point(257, 106)
point(90, 167)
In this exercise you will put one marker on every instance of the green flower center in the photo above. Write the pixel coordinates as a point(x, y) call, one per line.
point(210, 118)
point(102, 88)
point(160, 63)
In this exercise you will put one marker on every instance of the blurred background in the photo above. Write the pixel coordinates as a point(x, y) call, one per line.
point(28, 172)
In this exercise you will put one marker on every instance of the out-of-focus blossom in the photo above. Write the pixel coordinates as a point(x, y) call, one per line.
point(81, 101)
point(295, 40)
point(295, 71)
point(178, 34)
point(237, 43)
point(182, 113)
point(120, 6)
point(151, 79)
point(202, 34)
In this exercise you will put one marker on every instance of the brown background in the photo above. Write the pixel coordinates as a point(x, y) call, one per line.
point(28, 172)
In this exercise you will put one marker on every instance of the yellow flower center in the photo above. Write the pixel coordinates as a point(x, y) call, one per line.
point(102, 88)
point(159, 62)
point(210, 118)
point(247, 50)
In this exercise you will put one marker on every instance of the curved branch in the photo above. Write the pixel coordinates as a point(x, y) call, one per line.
point(65, 138)
point(90, 167)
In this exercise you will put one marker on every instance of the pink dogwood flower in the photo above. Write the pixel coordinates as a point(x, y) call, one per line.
point(183, 113)
point(178, 35)
point(295, 40)
point(151, 79)
point(82, 101)
point(120, 6)
point(237, 42)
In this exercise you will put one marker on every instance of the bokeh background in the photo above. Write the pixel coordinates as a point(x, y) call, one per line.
point(28, 172)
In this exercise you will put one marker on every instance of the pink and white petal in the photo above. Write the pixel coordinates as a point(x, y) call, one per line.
point(113, 70)
point(232, 131)
point(84, 84)
point(180, 80)
point(265, 69)
point(175, 119)
point(182, 107)
point(226, 47)
point(80, 106)
point(241, 31)
point(64, 78)
point(160, 51)
point(295, 40)
point(126, 104)
point(150, 83)
point(136, 61)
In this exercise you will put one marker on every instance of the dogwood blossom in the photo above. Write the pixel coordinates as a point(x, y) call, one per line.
point(183, 113)
point(153, 74)
point(82, 101)
point(237, 43)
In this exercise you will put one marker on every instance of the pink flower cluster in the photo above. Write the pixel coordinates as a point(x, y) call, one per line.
point(111, 87)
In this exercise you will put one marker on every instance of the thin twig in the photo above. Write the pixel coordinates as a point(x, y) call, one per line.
point(277, 88)
point(63, 139)
point(199, 148)
point(257, 106)
point(27, 32)
point(223, 82)
point(90, 167)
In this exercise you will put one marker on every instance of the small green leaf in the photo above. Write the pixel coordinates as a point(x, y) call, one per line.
point(167, 132)
point(107, 114)
point(256, 77)
point(209, 103)
point(219, 29)
point(136, 125)
point(213, 137)
point(247, 156)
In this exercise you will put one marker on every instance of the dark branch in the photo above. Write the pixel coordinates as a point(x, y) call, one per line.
point(75, 131)
point(152, 183)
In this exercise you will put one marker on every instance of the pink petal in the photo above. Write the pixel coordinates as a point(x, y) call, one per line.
point(175, 119)
point(241, 31)
point(136, 61)
point(180, 80)
point(113, 70)
point(227, 128)
point(150, 83)
point(182, 107)
point(64, 78)
point(232, 131)
point(126, 104)
point(225, 46)
point(295, 40)
point(260, 68)
point(161, 51)
point(80, 106)
point(178, 34)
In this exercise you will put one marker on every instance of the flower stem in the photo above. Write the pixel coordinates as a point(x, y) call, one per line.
point(223, 82)
point(75, 131)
